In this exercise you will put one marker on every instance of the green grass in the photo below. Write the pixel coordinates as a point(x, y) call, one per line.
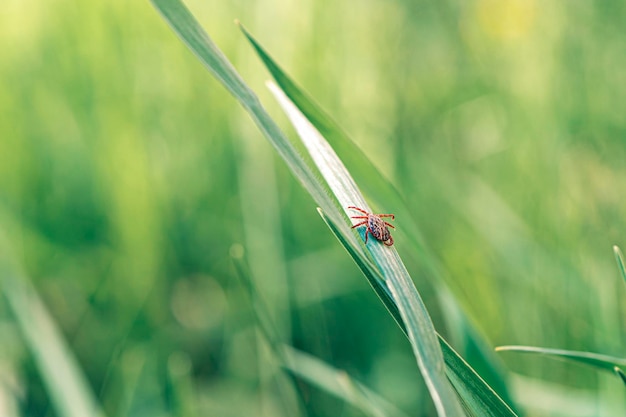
point(129, 179)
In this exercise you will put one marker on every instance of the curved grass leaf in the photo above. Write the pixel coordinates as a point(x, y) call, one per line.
point(604, 362)
point(383, 193)
point(477, 396)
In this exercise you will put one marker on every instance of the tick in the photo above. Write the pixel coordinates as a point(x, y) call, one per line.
point(375, 225)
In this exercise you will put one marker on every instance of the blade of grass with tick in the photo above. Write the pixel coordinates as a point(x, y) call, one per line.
point(383, 193)
point(340, 181)
point(414, 314)
point(604, 362)
point(67, 386)
point(478, 397)
point(192, 34)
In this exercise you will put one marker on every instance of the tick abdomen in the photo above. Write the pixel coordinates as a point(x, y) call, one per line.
point(378, 228)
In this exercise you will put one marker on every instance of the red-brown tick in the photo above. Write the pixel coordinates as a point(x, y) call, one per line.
point(375, 225)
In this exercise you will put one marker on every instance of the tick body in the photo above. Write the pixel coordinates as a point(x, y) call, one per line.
point(375, 225)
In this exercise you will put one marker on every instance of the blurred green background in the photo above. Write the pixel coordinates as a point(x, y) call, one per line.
point(130, 179)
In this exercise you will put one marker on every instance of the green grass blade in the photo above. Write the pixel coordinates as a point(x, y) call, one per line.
point(604, 362)
point(338, 384)
point(191, 33)
point(414, 315)
point(478, 397)
point(67, 386)
point(383, 193)
point(620, 261)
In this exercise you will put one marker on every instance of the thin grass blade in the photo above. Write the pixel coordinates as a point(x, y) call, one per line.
point(604, 362)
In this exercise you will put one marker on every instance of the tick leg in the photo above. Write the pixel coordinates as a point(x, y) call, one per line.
point(390, 242)
point(358, 217)
point(390, 225)
point(393, 217)
point(366, 233)
point(358, 224)
point(358, 209)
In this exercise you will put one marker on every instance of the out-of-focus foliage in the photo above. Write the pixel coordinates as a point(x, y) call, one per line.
point(134, 178)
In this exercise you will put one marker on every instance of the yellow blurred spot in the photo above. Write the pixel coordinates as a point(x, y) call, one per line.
point(505, 19)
